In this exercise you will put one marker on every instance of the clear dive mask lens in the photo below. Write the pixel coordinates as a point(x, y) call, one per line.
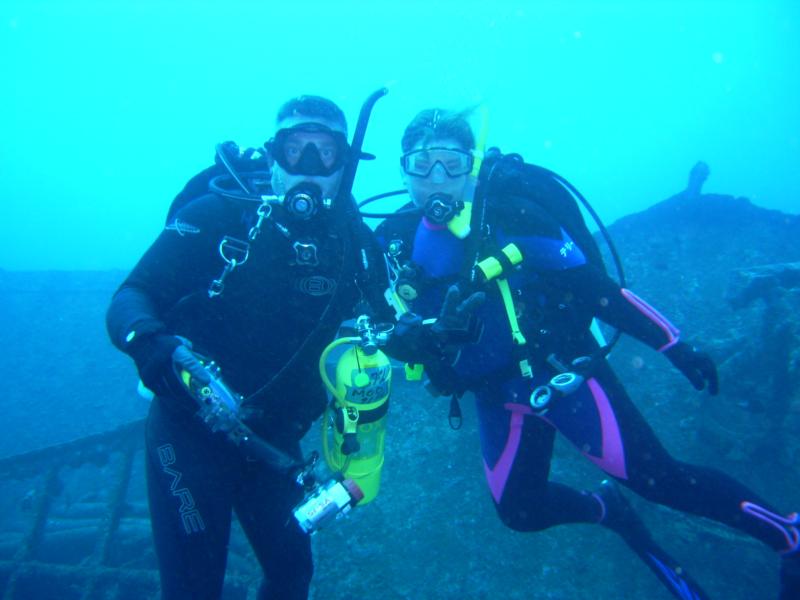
point(309, 149)
point(420, 163)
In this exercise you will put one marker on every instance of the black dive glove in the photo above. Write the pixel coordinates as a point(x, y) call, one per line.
point(457, 324)
point(414, 343)
point(697, 366)
point(437, 347)
point(157, 356)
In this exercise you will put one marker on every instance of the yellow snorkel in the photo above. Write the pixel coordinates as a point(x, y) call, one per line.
point(459, 225)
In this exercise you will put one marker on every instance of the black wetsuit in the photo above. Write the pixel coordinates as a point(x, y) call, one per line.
point(557, 292)
point(266, 328)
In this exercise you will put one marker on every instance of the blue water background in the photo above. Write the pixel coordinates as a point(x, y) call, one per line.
point(107, 108)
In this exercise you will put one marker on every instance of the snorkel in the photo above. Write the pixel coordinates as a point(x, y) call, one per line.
point(348, 177)
point(344, 198)
point(459, 225)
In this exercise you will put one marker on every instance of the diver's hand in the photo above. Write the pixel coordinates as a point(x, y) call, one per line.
point(697, 366)
point(414, 343)
point(457, 323)
point(153, 356)
point(409, 341)
point(437, 347)
point(184, 359)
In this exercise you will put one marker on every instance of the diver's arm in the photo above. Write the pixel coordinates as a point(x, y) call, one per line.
point(132, 310)
point(561, 265)
point(623, 309)
point(181, 260)
point(619, 307)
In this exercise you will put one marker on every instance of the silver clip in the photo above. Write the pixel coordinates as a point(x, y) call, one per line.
point(228, 245)
point(264, 211)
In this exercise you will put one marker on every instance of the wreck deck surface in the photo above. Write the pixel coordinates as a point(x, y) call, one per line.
point(74, 524)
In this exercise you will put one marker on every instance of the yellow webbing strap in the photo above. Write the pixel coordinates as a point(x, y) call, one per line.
point(508, 302)
point(516, 334)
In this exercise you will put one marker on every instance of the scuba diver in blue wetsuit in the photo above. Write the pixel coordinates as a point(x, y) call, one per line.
point(520, 287)
point(256, 275)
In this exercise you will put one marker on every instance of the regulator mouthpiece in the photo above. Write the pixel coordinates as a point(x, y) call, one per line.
point(442, 208)
point(303, 201)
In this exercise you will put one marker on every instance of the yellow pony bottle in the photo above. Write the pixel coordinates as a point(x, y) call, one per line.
point(354, 427)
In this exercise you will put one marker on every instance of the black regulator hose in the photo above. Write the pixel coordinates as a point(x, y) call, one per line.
point(224, 159)
point(605, 350)
point(381, 215)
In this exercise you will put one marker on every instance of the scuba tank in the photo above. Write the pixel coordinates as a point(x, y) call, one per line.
point(354, 425)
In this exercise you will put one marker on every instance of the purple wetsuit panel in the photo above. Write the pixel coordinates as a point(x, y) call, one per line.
point(584, 417)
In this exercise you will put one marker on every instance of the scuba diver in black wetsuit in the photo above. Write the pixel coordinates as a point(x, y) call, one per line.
point(523, 345)
point(258, 282)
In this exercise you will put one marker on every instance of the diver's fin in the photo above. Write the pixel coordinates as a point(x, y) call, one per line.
point(669, 572)
point(619, 516)
point(790, 576)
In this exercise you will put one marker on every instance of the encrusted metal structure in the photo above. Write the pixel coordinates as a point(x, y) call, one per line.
point(74, 524)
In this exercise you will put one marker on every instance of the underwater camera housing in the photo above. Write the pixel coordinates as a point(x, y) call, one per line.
point(326, 503)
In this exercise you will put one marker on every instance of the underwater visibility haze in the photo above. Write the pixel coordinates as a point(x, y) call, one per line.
point(108, 108)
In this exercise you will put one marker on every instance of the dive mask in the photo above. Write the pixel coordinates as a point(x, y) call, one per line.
point(420, 163)
point(309, 149)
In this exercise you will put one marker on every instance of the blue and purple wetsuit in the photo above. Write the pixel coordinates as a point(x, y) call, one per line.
point(557, 293)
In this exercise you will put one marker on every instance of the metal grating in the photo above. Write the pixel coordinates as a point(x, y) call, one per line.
point(74, 524)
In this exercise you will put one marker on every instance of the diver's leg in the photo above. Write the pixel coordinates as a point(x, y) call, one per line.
point(588, 418)
point(790, 576)
point(517, 448)
point(263, 503)
point(618, 515)
point(190, 505)
point(653, 474)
